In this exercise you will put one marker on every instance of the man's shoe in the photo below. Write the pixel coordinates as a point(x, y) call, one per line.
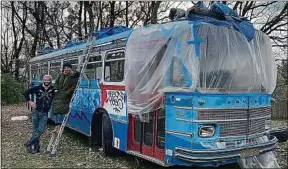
point(27, 144)
point(37, 147)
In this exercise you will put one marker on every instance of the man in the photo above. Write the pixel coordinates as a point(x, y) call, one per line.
point(65, 85)
point(44, 95)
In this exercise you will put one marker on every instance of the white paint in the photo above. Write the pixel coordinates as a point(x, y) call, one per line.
point(169, 152)
point(116, 142)
point(19, 118)
point(115, 103)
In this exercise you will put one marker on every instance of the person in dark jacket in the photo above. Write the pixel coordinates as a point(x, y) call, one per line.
point(64, 86)
point(44, 96)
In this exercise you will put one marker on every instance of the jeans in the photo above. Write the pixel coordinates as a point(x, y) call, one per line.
point(59, 119)
point(39, 123)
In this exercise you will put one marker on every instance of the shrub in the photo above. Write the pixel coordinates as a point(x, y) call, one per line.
point(12, 90)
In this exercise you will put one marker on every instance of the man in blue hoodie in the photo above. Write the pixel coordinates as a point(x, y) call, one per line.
point(44, 96)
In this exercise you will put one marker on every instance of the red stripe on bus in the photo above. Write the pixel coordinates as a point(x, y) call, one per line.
point(112, 87)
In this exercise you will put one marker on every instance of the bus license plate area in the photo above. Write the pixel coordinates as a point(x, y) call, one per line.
point(249, 152)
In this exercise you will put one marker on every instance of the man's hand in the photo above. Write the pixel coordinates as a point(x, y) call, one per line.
point(32, 104)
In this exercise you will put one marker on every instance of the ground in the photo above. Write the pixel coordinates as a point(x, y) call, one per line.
point(73, 151)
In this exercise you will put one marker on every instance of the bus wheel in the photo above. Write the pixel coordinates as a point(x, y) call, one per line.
point(107, 136)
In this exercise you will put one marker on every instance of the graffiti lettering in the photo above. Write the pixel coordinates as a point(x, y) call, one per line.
point(116, 100)
point(79, 115)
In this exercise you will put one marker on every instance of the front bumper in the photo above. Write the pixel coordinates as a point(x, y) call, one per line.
point(218, 155)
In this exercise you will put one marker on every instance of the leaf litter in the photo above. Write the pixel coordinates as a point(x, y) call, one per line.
point(73, 150)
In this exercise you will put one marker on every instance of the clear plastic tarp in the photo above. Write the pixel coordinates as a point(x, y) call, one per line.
point(265, 160)
point(185, 56)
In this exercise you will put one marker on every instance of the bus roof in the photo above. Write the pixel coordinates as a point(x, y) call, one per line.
point(81, 46)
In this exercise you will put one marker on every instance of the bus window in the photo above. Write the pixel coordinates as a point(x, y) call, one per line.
point(114, 67)
point(34, 71)
point(55, 69)
point(94, 70)
point(160, 142)
point(94, 67)
point(43, 69)
point(148, 131)
point(137, 130)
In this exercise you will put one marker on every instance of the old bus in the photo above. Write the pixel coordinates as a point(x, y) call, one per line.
point(180, 93)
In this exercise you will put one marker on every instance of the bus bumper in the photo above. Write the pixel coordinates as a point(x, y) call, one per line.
point(220, 155)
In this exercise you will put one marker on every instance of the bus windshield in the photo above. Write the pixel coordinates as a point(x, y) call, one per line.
point(180, 58)
point(231, 64)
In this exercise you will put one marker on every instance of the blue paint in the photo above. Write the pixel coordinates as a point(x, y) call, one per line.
point(166, 32)
point(84, 84)
point(85, 102)
point(120, 131)
point(196, 40)
point(94, 84)
point(175, 100)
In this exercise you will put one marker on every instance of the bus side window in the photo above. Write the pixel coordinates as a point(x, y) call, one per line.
point(94, 68)
point(114, 67)
point(55, 69)
point(43, 70)
point(148, 130)
point(34, 71)
point(107, 72)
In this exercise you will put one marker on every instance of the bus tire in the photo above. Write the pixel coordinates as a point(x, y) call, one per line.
point(96, 129)
point(107, 136)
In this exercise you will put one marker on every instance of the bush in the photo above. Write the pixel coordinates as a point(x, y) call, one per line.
point(12, 90)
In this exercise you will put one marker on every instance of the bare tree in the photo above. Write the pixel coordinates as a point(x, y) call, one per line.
point(18, 38)
point(80, 20)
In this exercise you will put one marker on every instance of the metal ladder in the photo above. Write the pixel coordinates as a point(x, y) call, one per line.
point(54, 141)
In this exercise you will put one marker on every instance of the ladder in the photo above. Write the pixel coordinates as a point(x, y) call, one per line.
point(55, 138)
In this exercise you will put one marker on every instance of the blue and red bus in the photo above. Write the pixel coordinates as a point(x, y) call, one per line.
point(220, 112)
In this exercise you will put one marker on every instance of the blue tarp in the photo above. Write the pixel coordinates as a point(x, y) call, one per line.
point(105, 32)
point(232, 19)
point(71, 44)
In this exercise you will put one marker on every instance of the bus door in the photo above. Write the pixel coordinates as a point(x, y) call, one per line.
point(148, 138)
point(114, 96)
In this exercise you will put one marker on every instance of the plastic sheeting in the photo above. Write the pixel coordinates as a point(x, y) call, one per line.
point(231, 64)
point(157, 58)
point(265, 160)
point(185, 56)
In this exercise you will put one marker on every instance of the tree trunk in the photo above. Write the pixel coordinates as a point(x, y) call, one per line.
point(85, 19)
point(99, 23)
point(80, 20)
point(126, 14)
point(155, 6)
point(17, 47)
point(112, 13)
point(91, 16)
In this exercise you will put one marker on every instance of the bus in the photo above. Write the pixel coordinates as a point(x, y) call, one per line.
point(180, 93)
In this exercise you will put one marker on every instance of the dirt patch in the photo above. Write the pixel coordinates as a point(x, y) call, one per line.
point(73, 151)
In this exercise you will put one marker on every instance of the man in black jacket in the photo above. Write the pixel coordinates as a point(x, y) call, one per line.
point(44, 96)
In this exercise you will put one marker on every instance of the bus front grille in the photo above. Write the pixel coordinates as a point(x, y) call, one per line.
point(237, 122)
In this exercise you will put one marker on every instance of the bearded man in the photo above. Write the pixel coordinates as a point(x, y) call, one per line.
point(44, 96)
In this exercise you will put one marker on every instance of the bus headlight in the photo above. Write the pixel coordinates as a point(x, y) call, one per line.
point(206, 131)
